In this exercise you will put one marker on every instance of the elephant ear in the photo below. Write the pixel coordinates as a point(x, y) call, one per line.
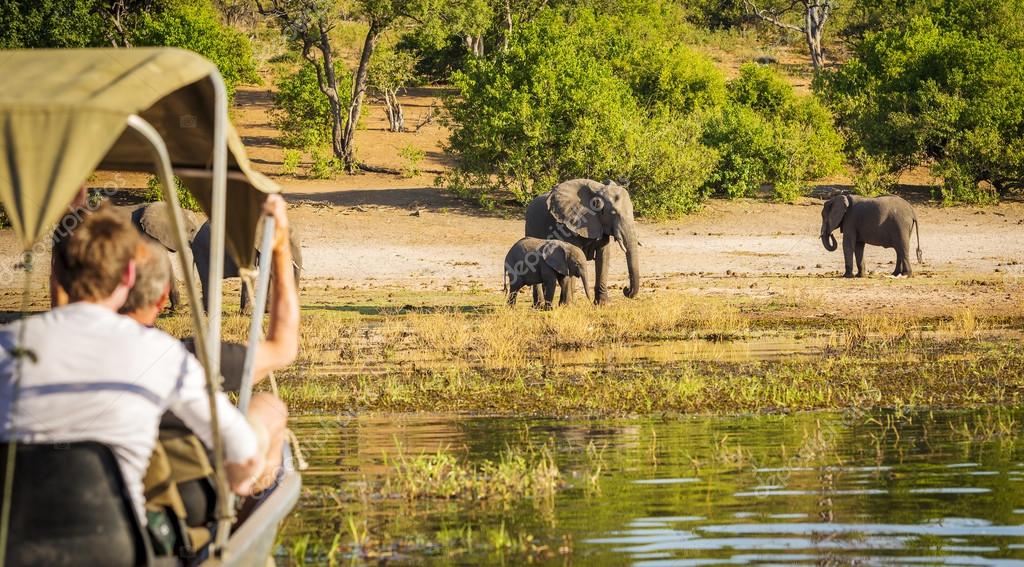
point(838, 210)
point(554, 255)
point(154, 222)
point(576, 205)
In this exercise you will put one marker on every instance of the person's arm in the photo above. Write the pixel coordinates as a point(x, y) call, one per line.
point(281, 345)
point(242, 452)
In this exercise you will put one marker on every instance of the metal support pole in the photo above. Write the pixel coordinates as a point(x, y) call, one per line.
point(255, 326)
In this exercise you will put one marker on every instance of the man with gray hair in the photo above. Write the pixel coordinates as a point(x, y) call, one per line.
point(151, 293)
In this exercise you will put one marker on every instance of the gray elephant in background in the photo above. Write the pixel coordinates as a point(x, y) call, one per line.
point(151, 219)
point(886, 221)
point(201, 257)
point(532, 261)
point(588, 214)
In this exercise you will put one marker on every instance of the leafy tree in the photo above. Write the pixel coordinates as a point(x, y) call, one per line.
point(922, 94)
point(56, 23)
point(309, 23)
point(195, 25)
point(807, 17)
point(189, 24)
point(301, 112)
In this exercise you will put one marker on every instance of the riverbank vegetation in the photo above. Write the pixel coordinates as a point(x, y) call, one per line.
point(673, 352)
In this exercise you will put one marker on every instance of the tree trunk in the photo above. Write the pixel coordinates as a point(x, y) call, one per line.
point(475, 45)
point(814, 26)
point(327, 80)
point(393, 108)
point(347, 149)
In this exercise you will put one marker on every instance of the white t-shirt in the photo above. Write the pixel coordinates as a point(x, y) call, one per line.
point(89, 374)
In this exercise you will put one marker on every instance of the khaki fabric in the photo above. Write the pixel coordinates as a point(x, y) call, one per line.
point(63, 115)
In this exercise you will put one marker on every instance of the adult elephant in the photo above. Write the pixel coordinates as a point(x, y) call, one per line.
point(589, 214)
point(886, 221)
point(152, 220)
point(201, 257)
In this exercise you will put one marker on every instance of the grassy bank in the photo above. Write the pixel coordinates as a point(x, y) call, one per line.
point(672, 353)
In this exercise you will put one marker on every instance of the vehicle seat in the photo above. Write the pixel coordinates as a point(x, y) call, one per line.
point(71, 507)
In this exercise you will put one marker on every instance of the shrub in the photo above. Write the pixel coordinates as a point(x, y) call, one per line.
point(768, 135)
point(290, 161)
point(154, 192)
point(324, 164)
point(413, 157)
point(921, 94)
point(196, 25)
point(558, 104)
point(301, 111)
point(874, 175)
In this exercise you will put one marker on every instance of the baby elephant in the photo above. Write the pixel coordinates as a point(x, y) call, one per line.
point(883, 221)
point(534, 261)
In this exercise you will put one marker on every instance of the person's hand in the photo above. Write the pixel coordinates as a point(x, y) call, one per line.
point(278, 209)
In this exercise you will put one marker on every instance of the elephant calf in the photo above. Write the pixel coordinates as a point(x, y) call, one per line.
point(886, 221)
point(534, 261)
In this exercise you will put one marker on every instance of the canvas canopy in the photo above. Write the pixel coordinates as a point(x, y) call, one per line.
point(63, 115)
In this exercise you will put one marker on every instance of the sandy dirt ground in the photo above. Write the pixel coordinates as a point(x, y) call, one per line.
point(384, 231)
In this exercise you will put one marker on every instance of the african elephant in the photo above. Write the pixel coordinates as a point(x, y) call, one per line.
point(886, 221)
point(151, 219)
point(201, 256)
point(533, 261)
point(588, 214)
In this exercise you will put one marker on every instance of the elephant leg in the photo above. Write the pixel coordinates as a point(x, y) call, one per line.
point(550, 281)
point(849, 242)
point(244, 302)
point(175, 296)
point(902, 262)
point(601, 260)
point(859, 252)
point(905, 247)
point(513, 293)
point(536, 296)
point(565, 283)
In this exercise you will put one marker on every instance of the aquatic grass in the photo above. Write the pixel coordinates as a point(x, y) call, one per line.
point(517, 473)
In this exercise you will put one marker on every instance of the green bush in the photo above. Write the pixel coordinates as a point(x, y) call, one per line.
point(766, 135)
point(413, 157)
point(290, 160)
point(154, 192)
point(558, 104)
point(301, 111)
point(920, 94)
point(196, 25)
point(324, 164)
point(603, 96)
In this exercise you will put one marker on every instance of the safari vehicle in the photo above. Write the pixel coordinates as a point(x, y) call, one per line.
point(63, 115)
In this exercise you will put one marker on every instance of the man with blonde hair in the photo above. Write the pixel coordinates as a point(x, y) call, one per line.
point(82, 372)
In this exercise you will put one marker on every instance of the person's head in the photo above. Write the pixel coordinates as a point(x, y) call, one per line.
point(95, 262)
point(149, 295)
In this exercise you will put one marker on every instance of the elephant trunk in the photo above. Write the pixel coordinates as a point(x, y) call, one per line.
point(586, 281)
point(630, 244)
point(827, 239)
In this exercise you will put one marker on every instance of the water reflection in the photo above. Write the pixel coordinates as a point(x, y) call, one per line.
point(810, 488)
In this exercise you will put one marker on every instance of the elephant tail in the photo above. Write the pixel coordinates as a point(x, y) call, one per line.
point(504, 279)
point(917, 228)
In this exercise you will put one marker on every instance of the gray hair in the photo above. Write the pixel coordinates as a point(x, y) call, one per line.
point(152, 276)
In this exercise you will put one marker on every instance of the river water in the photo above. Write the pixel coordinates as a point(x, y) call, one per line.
point(928, 487)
